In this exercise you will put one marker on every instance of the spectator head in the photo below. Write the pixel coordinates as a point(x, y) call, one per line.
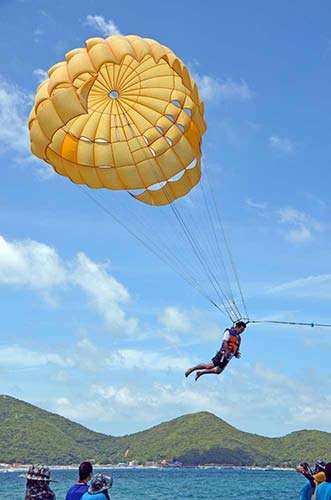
point(100, 483)
point(85, 471)
point(320, 465)
point(328, 472)
point(38, 483)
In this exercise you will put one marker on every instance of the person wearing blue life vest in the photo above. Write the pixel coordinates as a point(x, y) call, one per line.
point(308, 488)
point(230, 348)
point(98, 489)
point(323, 491)
point(76, 491)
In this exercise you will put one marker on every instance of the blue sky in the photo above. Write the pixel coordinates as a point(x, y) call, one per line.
point(95, 327)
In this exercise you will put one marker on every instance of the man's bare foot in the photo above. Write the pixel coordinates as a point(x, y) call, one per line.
point(188, 372)
point(198, 375)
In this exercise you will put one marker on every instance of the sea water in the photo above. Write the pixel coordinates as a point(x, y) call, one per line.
point(172, 484)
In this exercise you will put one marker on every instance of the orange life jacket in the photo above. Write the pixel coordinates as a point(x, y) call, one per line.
point(234, 341)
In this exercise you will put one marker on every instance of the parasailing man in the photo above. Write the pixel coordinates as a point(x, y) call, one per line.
point(230, 347)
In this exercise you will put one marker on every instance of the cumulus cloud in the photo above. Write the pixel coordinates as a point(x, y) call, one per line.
point(211, 88)
point(266, 395)
point(30, 263)
point(40, 74)
point(297, 225)
point(174, 319)
point(147, 360)
point(225, 89)
point(106, 294)
point(302, 226)
point(15, 105)
point(282, 144)
point(35, 265)
point(311, 286)
point(20, 357)
point(149, 406)
point(99, 23)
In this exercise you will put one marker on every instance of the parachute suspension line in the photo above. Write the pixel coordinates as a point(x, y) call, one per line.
point(158, 252)
point(205, 233)
point(195, 247)
point(227, 245)
point(198, 252)
point(219, 254)
point(289, 323)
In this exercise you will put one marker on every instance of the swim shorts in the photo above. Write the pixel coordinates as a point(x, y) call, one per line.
point(220, 360)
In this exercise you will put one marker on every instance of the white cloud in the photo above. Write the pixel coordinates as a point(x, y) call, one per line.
point(29, 263)
point(272, 402)
point(257, 205)
point(212, 89)
point(40, 74)
point(175, 320)
point(304, 225)
point(92, 411)
point(226, 89)
point(311, 286)
point(20, 357)
point(99, 23)
point(147, 360)
point(299, 235)
point(282, 144)
point(35, 265)
point(105, 293)
point(37, 35)
point(15, 105)
point(156, 403)
point(298, 226)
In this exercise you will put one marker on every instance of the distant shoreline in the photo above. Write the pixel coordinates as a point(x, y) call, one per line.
point(24, 467)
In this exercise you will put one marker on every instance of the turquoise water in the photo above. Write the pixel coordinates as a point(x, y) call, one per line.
point(172, 484)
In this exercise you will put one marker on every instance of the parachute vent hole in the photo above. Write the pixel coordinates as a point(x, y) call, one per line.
point(159, 129)
point(101, 140)
point(86, 139)
point(152, 151)
point(178, 176)
point(105, 166)
point(145, 139)
point(157, 186)
point(188, 111)
point(180, 126)
point(113, 94)
point(191, 165)
point(169, 141)
point(171, 118)
point(176, 103)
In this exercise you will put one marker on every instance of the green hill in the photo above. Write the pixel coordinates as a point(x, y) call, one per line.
point(29, 434)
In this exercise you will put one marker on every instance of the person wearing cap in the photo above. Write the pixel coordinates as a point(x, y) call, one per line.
point(324, 490)
point(230, 348)
point(37, 484)
point(98, 489)
point(76, 491)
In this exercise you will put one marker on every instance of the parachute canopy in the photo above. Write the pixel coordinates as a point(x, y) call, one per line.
point(122, 113)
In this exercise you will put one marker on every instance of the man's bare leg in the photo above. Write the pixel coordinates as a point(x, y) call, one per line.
point(216, 370)
point(201, 366)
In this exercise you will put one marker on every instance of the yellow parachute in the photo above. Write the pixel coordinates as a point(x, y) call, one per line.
point(122, 113)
